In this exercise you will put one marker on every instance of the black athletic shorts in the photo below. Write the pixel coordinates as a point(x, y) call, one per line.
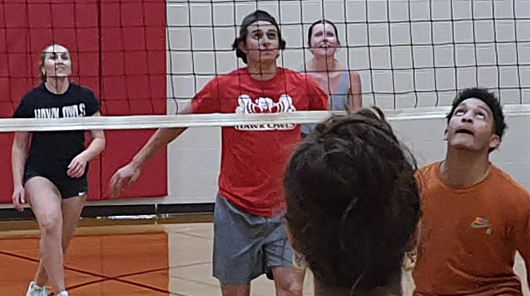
point(68, 187)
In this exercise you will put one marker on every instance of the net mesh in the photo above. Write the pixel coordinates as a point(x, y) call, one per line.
point(150, 57)
point(408, 53)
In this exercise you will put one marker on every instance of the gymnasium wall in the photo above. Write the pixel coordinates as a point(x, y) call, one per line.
point(194, 158)
point(201, 34)
point(118, 50)
point(485, 55)
point(408, 53)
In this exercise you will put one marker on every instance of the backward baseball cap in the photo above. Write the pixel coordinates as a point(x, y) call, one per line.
point(258, 15)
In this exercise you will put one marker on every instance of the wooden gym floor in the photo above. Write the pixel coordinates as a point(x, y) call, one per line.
point(121, 258)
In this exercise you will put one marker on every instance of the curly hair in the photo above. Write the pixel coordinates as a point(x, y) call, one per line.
point(352, 202)
point(489, 99)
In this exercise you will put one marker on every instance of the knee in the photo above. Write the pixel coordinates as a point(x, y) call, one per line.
point(50, 225)
point(292, 289)
point(292, 286)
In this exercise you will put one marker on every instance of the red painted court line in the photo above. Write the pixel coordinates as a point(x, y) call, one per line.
point(104, 278)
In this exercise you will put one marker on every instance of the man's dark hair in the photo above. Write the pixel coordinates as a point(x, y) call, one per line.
point(352, 202)
point(258, 15)
point(323, 21)
point(489, 99)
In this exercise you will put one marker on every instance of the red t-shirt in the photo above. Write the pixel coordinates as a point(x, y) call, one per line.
point(469, 236)
point(254, 157)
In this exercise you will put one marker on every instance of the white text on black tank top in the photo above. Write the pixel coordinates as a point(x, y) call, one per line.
point(78, 110)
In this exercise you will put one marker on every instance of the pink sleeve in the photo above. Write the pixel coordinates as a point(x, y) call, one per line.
point(208, 99)
point(318, 99)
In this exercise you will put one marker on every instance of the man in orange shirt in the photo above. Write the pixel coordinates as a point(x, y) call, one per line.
point(475, 216)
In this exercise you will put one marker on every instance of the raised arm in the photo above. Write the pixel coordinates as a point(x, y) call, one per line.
point(127, 175)
point(19, 153)
point(208, 100)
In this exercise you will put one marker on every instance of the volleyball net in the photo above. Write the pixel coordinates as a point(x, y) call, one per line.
point(409, 54)
point(146, 57)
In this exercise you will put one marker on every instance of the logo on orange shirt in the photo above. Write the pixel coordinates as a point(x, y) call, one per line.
point(480, 223)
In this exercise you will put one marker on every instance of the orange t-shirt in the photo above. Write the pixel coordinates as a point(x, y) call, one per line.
point(469, 236)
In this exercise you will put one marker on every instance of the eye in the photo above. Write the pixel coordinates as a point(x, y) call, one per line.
point(330, 34)
point(272, 35)
point(481, 115)
point(459, 112)
point(258, 35)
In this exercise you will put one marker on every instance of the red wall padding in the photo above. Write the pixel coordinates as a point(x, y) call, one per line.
point(118, 50)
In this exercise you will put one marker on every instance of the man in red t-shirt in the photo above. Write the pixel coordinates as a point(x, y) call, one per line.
point(250, 236)
point(475, 216)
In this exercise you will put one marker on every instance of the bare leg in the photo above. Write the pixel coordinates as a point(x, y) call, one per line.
point(235, 290)
point(288, 281)
point(45, 202)
point(71, 211)
point(72, 208)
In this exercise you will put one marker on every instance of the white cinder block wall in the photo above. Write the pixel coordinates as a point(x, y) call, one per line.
point(514, 154)
point(425, 139)
point(193, 159)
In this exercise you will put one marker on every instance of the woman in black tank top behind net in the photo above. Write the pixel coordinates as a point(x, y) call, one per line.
point(52, 175)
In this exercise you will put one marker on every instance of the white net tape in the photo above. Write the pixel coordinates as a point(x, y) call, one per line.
point(215, 120)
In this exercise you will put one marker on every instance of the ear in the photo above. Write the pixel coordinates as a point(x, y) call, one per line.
point(495, 141)
point(445, 135)
point(242, 46)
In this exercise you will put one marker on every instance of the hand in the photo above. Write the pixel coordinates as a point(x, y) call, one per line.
point(123, 179)
point(77, 167)
point(19, 197)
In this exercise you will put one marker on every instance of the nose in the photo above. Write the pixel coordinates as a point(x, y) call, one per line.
point(467, 117)
point(265, 41)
